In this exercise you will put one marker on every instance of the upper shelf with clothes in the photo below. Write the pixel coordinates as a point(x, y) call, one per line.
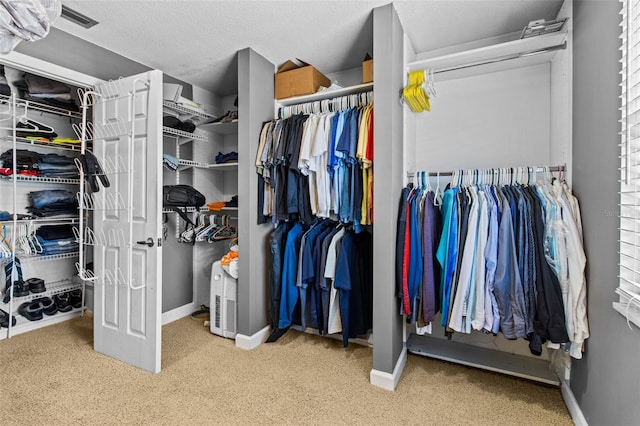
point(34, 92)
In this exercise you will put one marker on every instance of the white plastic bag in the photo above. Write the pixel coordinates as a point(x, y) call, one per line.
point(26, 20)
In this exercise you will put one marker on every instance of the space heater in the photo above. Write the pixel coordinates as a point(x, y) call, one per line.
point(224, 289)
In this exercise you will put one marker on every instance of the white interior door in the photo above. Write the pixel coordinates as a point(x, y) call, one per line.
point(128, 291)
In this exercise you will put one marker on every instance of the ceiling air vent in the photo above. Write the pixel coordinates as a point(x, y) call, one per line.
point(77, 17)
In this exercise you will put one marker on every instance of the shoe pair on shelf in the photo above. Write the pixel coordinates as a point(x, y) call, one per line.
point(69, 300)
point(37, 308)
point(22, 288)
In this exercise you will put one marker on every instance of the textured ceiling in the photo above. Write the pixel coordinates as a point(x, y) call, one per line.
point(196, 41)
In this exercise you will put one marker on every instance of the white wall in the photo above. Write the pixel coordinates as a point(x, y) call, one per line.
point(493, 120)
point(605, 382)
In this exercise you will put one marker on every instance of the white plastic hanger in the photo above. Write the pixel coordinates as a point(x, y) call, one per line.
point(204, 233)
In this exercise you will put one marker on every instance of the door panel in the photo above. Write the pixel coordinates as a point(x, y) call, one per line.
point(127, 317)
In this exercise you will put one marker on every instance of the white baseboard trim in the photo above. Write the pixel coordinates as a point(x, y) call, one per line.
point(389, 381)
point(179, 312)
point(572, 405)
point(253, 341)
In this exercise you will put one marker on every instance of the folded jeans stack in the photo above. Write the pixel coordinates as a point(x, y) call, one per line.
point(60, 166)
point(56, 239)
point(52, 202)
point(36, 164)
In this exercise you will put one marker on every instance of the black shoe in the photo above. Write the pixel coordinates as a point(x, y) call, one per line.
point(75, 296)
point(63, 302)
point(20, 289)
point(47, 305)
point(36, 285)
point(31, 311)
point(4, 319)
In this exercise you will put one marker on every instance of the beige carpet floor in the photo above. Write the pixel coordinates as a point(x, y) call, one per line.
point(52, 376)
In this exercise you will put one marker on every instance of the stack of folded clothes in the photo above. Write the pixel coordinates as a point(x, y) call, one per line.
point(59, 166)
point(226, 158)
point(46, 91)
point(26, 162)
point(31, 163)
point(219, 205)
point(53, 202)
point(56, 239)
point(174, 123)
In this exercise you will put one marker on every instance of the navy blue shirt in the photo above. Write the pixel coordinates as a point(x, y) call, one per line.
point(290, 293)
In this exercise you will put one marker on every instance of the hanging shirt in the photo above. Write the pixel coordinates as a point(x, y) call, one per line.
point(549, 322)
point(430, 274)
point(335, 324)
point(346, 270)
point(289, 296)
point(576, 298)
point(491, 310)
point(318, 288)
point(467, 265)
point(318, 166)
point(324, 283)
point(476, 305)
point(508, 287)
point(400, 244)
point(448, 249)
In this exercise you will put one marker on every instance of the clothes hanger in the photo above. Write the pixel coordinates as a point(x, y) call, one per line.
point(36, 247)
point(35, 126)
point(200, 224)
point(437, 197)
point(204, 233)
point(225, 232)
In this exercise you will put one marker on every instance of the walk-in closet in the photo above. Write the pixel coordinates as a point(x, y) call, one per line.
point(432, 209)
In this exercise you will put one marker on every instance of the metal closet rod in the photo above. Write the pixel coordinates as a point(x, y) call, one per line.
point(561, 168)
point(332, 101)
point(503, 58)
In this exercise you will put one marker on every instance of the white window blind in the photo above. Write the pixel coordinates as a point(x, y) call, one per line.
point(628, 290)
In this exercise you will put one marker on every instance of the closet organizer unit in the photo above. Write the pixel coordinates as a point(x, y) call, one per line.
point(184, 261)
point(499, 104)
point(122, 223)
point(39, 139)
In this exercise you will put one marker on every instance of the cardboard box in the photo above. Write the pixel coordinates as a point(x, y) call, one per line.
point(297, 79)
point(367, 69)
